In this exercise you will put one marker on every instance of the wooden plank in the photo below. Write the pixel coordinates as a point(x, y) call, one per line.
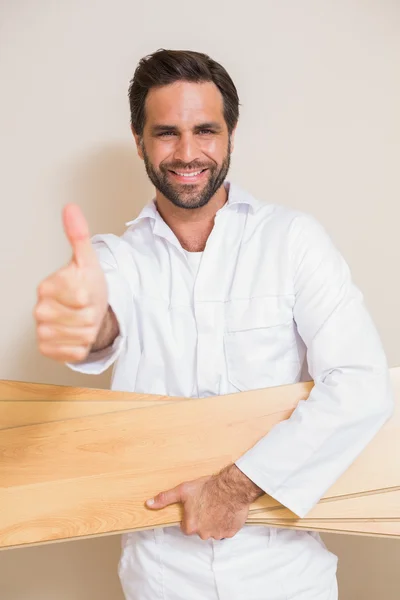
point(91, 475)
point(148, 439)
point(22, 390)
point(378, 505)
point(33, 403)
point(54, 476)
point(384, 529)
point(34, 412)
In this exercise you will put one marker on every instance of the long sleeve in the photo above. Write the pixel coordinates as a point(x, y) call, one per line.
point(303, 456)
point(119, 298)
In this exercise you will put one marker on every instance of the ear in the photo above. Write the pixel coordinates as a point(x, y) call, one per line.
point(138, 140)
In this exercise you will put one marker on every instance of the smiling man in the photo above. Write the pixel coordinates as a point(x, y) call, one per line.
point(212, 291)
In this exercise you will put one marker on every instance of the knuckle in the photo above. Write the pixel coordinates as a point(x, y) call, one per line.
point(78, 354)
point(44, 332)
point(43, 349)
point(40, 311)
point(37, 312)
point(189, 528)
point(46, 287)
point(230, 533)
point(82, 297)
point(184, 490)
point(41, 289)
point(62, 277)
point(89, 316)
point(88, 337)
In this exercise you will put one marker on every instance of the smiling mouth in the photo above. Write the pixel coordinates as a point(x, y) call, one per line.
point(188, 174)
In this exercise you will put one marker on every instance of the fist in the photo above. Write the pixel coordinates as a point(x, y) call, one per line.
point(72, 302)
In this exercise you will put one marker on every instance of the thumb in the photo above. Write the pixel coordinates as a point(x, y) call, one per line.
point(77, 232)
point(166, 498)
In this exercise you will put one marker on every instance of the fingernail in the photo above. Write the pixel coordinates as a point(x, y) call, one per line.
point(150, 502)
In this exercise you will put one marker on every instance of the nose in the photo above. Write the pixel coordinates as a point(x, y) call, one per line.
point(187, 149)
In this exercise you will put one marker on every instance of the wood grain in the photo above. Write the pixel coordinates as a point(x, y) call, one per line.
point(380, 504)
point(22, 390)
point(24, 403)
point(370, 528)
point(89, 474)
point(106, 466)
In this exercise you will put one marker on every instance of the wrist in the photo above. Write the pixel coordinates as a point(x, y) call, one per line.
point(108, 331)
point(243, 488)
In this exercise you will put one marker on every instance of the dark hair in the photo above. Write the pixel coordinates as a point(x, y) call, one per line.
point(165, 67)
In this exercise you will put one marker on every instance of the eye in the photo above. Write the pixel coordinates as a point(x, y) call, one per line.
point(206, 132)
point(165, 134)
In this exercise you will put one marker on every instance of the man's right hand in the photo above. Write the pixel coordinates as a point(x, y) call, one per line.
point(73, 302)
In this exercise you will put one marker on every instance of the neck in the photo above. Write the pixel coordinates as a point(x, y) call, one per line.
point(192, 226)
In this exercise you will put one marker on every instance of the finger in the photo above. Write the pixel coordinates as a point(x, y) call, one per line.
point(51, 312)
point(66, 287)
point(59, 335)
point(72, 296)
point(77, 232)
point(164, 499)
point(64, 353)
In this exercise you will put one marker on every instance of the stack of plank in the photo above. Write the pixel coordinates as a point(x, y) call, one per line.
point(81, 462)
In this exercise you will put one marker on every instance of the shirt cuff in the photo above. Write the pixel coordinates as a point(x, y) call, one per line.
point(246, 465)
point(98, 362)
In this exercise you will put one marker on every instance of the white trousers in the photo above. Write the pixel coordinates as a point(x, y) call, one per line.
point(258, 563)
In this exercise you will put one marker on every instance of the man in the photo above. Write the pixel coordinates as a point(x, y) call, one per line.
point(212, 291)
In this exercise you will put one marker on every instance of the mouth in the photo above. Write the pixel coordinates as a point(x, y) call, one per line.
point(188, 176)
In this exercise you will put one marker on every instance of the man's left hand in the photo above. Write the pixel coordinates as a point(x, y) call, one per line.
point(213, 507)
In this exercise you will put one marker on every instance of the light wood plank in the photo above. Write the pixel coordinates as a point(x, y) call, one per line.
point(379, 505)
point(110, 464)
point(24, 403)
point(385, 529)
point(91, 475)
point(22, 390)
point(35, 412)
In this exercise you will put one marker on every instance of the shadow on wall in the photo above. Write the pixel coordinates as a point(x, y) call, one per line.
point(111, 187)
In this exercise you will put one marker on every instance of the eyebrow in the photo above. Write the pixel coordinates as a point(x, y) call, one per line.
point(209, 125)
point(172, 128)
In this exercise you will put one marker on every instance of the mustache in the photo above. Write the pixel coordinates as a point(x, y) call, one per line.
point(181, 166)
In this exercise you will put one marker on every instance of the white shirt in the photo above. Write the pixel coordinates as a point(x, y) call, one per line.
point(269, 302)
point(194, 260)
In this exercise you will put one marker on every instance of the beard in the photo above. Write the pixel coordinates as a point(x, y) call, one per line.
point(187, 195)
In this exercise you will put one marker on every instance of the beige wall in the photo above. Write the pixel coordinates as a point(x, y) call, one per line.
point(320, 131)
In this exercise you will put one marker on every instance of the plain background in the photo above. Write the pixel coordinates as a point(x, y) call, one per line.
point(319, 83)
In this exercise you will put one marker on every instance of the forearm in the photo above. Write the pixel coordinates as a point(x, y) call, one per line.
point(109, 331)
point(235, 484)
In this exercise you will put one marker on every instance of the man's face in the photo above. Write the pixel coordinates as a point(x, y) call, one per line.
point(185, 144)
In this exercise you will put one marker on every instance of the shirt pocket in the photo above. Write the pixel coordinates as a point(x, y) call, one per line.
point(260, 342)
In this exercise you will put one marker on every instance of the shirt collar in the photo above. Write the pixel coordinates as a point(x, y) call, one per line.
point(235, 196)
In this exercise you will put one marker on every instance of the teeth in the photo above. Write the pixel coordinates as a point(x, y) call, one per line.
point(188, 174)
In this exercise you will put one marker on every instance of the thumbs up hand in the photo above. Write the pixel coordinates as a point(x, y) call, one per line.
point(72, 302)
